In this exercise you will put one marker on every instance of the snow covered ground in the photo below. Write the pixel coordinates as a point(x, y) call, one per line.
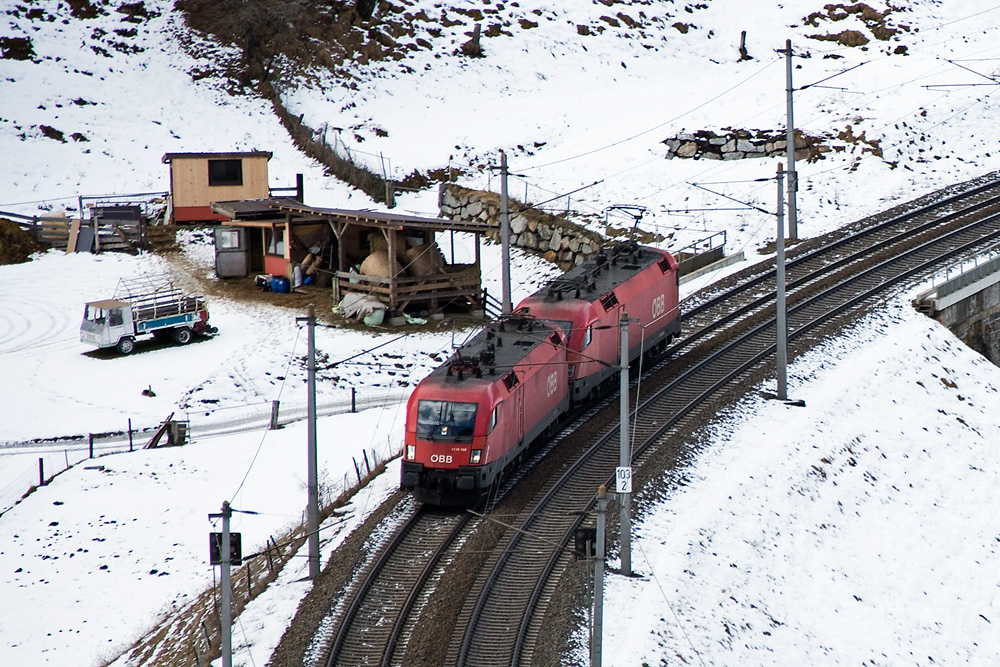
point(860, 529)
point(798, 522)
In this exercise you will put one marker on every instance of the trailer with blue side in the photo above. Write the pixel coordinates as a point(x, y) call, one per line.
point(144, 306)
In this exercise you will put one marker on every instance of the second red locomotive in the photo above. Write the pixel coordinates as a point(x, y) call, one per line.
point(471, 421)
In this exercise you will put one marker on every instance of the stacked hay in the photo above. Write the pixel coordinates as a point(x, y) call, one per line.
point(377, 265)
point(16, 245)
point(424, 260)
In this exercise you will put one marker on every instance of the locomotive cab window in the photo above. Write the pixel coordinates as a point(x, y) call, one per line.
point(588, 336)
point(446, 420)
point(494, 418)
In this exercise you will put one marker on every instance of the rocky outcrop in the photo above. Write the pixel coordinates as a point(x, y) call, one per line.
point(554, 238)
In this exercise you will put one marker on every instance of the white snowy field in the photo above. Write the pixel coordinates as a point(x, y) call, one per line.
point(797, 522)
point(92, 560)
point(860, 529)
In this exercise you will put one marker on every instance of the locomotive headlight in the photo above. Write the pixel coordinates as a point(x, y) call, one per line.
point(476, 455)
point(411, 452)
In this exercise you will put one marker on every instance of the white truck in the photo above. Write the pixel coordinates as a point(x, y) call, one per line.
point(140, 307)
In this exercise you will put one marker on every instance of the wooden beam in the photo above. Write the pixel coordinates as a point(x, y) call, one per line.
point(390, 235)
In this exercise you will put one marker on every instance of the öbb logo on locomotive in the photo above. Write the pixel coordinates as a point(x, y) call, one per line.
point(475, 417)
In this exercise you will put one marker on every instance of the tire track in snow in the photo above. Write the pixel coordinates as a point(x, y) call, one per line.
point(33, 327)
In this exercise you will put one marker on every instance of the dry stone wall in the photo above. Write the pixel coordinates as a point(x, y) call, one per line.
point(554, 238)
point(742, 145)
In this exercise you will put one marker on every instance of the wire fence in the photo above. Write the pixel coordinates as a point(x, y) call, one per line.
point(54, 458)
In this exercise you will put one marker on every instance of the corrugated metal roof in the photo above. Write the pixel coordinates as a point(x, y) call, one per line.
point(276, 208)
point(382, 219)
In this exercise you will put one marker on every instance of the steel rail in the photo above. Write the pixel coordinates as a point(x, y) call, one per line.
point(382, 569)
point(351, 614)
point(416, 591)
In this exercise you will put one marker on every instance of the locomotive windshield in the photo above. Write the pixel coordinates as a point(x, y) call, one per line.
point(439, 420)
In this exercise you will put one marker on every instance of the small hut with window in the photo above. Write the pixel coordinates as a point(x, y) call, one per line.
point(198, 179)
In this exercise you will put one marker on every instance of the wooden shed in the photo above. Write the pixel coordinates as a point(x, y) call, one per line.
point(282, 232)
point(198, 179)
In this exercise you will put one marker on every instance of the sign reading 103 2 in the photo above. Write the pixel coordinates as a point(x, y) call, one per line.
point(623, 479)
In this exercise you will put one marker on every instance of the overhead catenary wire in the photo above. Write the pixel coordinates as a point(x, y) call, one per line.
point(267, 429)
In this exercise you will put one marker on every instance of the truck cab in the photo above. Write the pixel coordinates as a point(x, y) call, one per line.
point(107, 323)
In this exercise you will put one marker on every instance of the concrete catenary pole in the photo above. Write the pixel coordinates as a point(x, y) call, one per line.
point(312, 483)
point(227, 609)
point(597, 631)
point(781, 320)
point(625, 456)
point(793, 183)
point(504, 236)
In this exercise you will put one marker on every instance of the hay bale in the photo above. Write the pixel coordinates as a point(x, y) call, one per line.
point(377, 265)
point(16, 245)
point(424, 260)
point(377, 242)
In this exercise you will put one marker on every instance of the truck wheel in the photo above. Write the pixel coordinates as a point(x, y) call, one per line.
point(126, 345)
point(182, 335)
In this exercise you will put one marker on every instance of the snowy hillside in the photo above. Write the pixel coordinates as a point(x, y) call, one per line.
point(851, 530)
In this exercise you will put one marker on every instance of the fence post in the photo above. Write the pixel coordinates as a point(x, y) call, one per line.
point(130, 434)
point(367, 465)
point(354, 404)
point(274, 415)
point(91, 438)
point(357, 469)
point(41, 471)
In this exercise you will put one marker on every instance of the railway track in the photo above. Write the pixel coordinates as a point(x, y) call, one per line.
point(504, 612)
point(381, 611)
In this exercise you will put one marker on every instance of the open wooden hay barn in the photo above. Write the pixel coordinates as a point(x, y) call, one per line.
point(391, 257)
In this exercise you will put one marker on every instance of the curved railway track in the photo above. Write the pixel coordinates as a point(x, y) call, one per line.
point(728, 341)
point(380, 609)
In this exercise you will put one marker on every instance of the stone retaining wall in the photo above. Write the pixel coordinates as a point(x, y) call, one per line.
point(554, 238)
point(742, 145)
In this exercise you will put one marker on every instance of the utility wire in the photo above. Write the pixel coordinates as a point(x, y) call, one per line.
point(267, 429)
point(663, 124)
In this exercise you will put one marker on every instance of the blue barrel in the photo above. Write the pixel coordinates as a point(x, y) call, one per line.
point(282, 286)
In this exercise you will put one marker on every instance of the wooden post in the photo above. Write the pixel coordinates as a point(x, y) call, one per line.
point(130, 444)
point(270, 561)
point(91, 439)
point(41, 471)
point(743, 47)
point(274, 415)
point(288, 243)
point(354, 404)
point(391, 238)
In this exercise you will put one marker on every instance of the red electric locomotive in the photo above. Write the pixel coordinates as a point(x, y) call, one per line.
point(471, 420)
point(588, 301)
